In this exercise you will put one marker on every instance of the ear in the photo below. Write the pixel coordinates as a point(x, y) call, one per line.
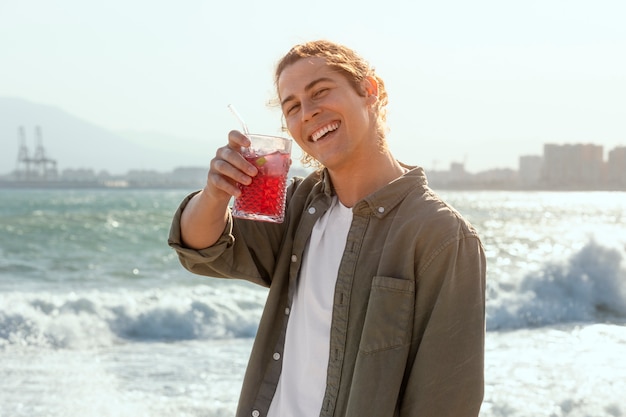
point(370, 86)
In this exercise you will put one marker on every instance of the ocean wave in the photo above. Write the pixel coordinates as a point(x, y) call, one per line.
point(95, 318)
point(590, 286)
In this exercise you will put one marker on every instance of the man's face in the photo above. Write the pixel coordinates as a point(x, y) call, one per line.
point(324, 114)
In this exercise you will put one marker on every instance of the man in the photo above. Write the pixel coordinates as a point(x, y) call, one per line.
point(376, 304)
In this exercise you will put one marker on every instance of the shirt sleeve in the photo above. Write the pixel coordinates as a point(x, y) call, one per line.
point(225, 258)
point(446, 378)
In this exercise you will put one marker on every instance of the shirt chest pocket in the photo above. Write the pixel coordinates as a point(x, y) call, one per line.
point(389, 316)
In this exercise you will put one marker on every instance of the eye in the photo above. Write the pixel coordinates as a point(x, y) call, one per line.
point(321, 92)
point(292, 108)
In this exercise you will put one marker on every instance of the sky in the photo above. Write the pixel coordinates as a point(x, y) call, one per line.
point(481, 82)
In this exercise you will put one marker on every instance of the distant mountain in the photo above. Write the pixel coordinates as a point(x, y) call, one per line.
point(75, 143)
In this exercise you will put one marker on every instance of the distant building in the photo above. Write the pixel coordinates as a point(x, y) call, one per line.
point(573, 166)
point(496, 178)
point(79, 175)
point(196, 176)
point(616, 167)
point(530, 168)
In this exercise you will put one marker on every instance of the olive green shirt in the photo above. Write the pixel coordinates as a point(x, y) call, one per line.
point(408, 320)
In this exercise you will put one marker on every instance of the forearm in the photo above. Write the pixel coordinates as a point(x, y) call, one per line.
point(203, 220)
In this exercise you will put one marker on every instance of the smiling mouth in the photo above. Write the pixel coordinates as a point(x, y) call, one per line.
point(318, 134)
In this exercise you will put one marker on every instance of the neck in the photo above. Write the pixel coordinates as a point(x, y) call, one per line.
point(358, 181)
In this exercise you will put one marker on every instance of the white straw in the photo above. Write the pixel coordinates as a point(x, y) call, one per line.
point(238, 116)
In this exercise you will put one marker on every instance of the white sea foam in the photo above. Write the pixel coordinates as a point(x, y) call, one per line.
point(590, 286)
point(94, 318)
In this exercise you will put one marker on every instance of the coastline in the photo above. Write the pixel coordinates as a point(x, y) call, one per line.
point(109, 185)
point(129, 185)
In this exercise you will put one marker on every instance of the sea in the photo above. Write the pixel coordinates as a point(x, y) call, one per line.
point(98, 318)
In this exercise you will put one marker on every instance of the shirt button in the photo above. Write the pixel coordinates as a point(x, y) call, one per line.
point(255, 413)
point(294, 258)
point(311, 210)
point(287, 311)
point(381, 209)
point(276, 356)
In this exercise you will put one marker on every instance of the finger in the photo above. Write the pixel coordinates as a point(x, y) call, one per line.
point(231, 171)
point(229, 168)
point(237, 140)
point(218, 182)
point(235, 160)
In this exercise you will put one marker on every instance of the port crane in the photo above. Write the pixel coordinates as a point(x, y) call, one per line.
point(39, 166)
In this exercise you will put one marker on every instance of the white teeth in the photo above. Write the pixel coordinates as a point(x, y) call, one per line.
point(318, 134)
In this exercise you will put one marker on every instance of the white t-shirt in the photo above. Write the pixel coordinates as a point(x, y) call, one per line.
point(302, 383)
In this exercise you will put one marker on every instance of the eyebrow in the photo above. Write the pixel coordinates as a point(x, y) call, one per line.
point(308, 87)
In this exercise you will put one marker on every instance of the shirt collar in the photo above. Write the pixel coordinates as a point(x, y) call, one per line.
point(384, 200)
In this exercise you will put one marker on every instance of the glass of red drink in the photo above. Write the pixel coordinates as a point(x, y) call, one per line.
point(264, 198)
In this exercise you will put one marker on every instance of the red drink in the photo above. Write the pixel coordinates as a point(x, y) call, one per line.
point(264, 198)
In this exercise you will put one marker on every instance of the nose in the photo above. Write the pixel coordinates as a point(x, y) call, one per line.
point(309, 110)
